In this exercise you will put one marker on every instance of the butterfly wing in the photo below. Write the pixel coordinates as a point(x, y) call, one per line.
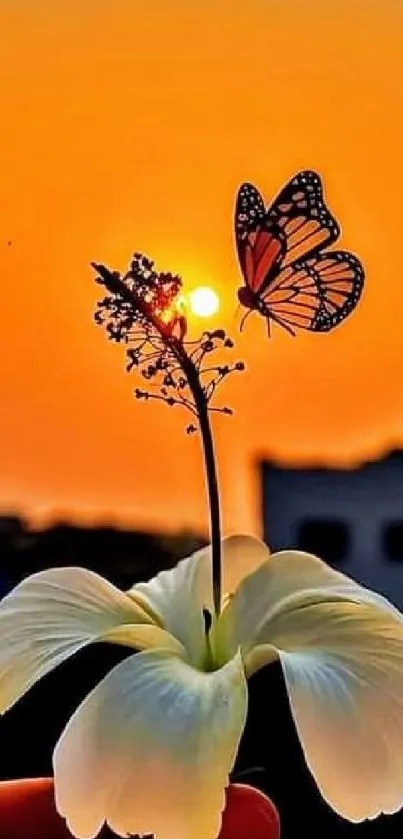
point(316, 294)
point(259, 248)
point(301, 218)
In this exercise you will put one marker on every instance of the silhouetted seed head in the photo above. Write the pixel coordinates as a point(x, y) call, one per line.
point(144, 310)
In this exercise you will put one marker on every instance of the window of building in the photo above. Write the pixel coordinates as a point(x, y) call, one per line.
point(326, 538)
point(392, 538)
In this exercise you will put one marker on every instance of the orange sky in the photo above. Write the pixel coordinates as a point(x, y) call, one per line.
point(129, 126)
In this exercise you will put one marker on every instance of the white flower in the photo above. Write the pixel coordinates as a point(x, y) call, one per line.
point(151, 748)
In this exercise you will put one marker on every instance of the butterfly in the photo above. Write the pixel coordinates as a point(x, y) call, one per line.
point(290, 277)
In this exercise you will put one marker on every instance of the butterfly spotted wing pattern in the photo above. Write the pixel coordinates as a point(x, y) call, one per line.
point(316, 294)
point(289, 277)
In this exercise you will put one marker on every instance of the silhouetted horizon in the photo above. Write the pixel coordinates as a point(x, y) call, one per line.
point(125, 556)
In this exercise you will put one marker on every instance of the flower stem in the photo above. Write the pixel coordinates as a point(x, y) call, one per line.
point(214, 505)
point(201, 405)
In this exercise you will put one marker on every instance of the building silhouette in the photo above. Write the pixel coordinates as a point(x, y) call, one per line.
point(352, 518)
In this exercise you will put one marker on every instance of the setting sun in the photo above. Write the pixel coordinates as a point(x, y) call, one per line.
point(204, 302)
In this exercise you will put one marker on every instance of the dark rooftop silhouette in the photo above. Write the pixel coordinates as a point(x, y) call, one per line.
point(123, 556)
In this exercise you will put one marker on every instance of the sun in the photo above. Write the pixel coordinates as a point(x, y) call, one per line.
point(204, 302)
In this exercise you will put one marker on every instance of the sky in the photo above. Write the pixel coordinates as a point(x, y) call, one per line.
point(130, 126)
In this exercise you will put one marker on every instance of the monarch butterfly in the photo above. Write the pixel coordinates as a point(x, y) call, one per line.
point(290, 278)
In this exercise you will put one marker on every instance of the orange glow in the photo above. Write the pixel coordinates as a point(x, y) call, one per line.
point(167, 315)
point(129, 126)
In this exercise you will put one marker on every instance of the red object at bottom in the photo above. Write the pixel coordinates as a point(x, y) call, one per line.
point(27, 811)
point(249, 814)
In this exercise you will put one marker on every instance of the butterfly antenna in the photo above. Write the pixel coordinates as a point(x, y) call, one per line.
point(236, 315)
point(246, 315)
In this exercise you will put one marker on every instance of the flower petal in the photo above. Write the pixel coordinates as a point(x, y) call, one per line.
point(345, 684)
point(179, 595)
point(341, 650)
point(151, 748)
point(50, 616)
point(286, 581)
point(242, 555)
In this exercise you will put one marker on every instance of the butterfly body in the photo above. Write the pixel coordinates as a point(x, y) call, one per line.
point(289, 276)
